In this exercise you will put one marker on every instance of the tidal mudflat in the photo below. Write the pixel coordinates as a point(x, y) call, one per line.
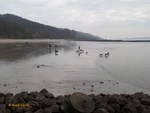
point(61, 69)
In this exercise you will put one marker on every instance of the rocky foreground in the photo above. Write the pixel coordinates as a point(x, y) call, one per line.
point(45, 102)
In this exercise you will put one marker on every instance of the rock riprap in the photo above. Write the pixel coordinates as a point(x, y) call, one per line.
point(46, 102)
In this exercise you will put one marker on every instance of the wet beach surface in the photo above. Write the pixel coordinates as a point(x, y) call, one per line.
point(62, 70)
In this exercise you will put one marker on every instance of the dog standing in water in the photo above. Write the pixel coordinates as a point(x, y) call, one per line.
point(49, 48)
point(107, 54)
point(56, 50)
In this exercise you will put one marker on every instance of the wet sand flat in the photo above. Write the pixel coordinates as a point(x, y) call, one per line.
point(35, 66)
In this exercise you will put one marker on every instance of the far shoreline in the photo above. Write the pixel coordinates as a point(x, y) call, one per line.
point(28, 40)
point(45, 40)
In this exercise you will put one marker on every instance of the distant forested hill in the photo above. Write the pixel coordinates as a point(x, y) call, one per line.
point(14, 27)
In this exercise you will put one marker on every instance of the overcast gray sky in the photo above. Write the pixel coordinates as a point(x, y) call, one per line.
point(106, 18)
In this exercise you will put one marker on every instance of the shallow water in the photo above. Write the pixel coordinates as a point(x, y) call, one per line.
point(33, 66)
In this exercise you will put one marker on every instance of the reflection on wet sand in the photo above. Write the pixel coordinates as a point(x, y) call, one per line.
point(18, 51)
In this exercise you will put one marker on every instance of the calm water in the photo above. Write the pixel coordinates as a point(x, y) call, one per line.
point(32, 66)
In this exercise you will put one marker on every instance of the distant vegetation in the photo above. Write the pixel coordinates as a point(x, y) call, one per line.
point(14, 27)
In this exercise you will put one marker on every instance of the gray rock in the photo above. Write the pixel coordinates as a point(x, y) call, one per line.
point(39, 111)
point(2, 100)
point(101, 110)
point(145, 101)
point(39, 98)
point(48, 110)
point(116, 107)
point(107, 107)
point(34, 105)
point(45, 102)
point(5, 85)
point(52, 109)
point(146, 110)
point(5, 111)
point(28, 112)
point(45, 93)
point(82, 102)
point(55, 108)
point(114, 99)
point(129, 108)
point(21, 110)
point(8, 98)
point(20, 98)
point(2, 94)
point(2, 107)
point(48, 102)
point(33, 94)
point(139, 95)
point(60, 100)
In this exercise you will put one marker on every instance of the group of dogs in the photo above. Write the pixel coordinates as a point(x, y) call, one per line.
point(81, 51)
point(55, 48)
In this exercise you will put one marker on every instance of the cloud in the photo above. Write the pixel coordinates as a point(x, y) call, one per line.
point(102, 17)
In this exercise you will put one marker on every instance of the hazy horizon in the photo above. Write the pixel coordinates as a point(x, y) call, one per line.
point(113, 19)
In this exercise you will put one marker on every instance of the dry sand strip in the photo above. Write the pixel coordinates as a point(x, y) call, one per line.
point(46, 102)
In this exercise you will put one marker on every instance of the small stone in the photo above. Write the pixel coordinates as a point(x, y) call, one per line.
point(101, 82)
point(38, 66)
point(92, 86)
point(83, 84)
point(5, 85)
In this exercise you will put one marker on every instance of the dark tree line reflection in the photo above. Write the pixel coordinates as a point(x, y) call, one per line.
point(19, 51)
